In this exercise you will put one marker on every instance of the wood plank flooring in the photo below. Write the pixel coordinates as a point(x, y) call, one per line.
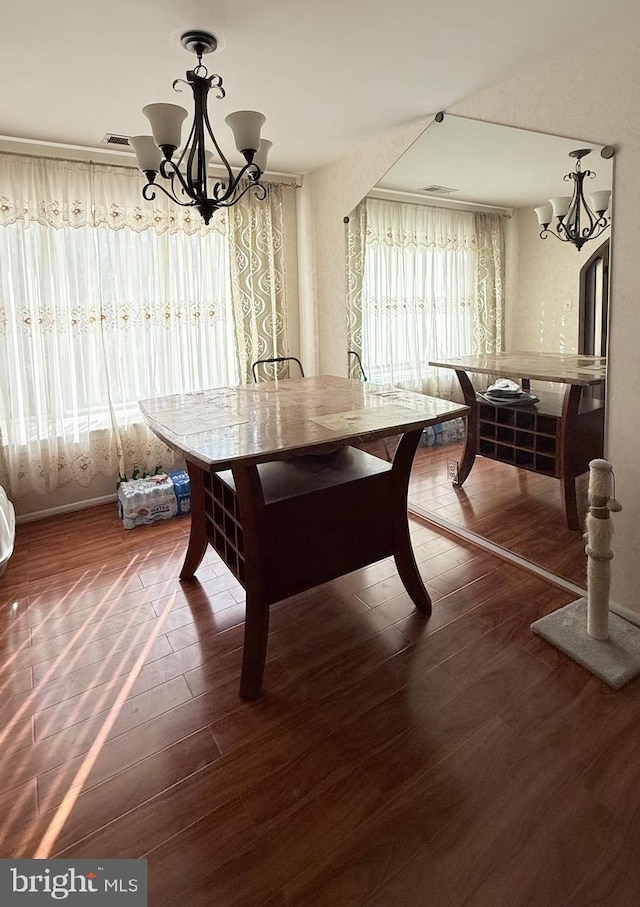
point(518, 510)
point(455, 760)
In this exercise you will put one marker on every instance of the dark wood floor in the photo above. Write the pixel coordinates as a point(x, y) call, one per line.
point(518, 510)
point(395, 760)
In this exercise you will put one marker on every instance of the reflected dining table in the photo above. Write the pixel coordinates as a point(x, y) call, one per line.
point(283, 495)
point(556, 435)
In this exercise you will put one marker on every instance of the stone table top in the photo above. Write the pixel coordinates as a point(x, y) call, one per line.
point(565, 369)
point(281, 419)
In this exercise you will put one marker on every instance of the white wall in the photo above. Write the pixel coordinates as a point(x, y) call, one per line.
point(594, 95)
point(291, 277)
point(546, 284)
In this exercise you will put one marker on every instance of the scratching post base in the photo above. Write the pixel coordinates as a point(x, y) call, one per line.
point(615, 660)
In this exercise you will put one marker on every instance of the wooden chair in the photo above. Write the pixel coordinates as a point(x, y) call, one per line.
point(276, 361)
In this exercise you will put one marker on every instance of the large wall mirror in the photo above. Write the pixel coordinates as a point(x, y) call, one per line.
point(486, 281)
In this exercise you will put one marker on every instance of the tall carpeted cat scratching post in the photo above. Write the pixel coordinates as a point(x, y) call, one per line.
point(605, 643)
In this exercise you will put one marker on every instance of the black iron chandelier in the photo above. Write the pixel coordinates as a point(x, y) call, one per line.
point(578, 220)
point(188, 182)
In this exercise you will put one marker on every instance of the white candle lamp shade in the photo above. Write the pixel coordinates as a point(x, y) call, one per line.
point(599, 201)
point(246, 126)
point(148, 155)
point(544, 214)
point(260, 160)
point(166, 124)
point(560, 205)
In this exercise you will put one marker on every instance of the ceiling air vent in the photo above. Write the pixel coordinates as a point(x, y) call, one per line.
point(438, 190)
point(112, 139)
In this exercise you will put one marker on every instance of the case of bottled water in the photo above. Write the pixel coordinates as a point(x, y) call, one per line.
point(143, 501)
point(445, 433)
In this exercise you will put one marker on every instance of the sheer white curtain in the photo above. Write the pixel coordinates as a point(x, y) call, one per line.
point(104, 299)
point(418, 293)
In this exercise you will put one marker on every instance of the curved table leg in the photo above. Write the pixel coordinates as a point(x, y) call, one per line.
point(471, 442)
point(570, 407)
point(570, 502)
point(256, 626)
point(402, 550)
point(198, 534)
point(254, 653)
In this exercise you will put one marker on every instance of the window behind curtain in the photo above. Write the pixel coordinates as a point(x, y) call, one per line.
point(91, 321)
point(418, 292)
point(97, 318)
point(105, 299)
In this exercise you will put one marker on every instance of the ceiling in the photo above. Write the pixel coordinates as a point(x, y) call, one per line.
point(329, 74)
point(493, 165)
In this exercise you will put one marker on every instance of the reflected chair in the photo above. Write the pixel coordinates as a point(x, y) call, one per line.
point(276, 361)
point(356, 356)
point(363, 377)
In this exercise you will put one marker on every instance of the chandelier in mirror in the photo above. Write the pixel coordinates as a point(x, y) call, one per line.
point(578, 219)
point(188, 182)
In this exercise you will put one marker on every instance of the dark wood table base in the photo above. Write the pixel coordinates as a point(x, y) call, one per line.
point(576, 435)
point(286, 526)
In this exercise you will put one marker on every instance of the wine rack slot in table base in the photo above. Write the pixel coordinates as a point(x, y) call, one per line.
point(557, 437)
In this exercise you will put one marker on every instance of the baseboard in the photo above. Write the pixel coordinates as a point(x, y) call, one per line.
point(632, 616)
point(65, 508)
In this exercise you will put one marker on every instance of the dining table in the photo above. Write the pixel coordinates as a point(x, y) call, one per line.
point(552, 433)
point(283, 492)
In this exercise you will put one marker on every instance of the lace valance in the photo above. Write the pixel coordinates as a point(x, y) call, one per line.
point(397, 224)
point(60, 193)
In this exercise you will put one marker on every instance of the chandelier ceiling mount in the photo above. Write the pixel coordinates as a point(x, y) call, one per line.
point(199, 42)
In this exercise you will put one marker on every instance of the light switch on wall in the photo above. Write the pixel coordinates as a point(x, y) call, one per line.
point(567, 305)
